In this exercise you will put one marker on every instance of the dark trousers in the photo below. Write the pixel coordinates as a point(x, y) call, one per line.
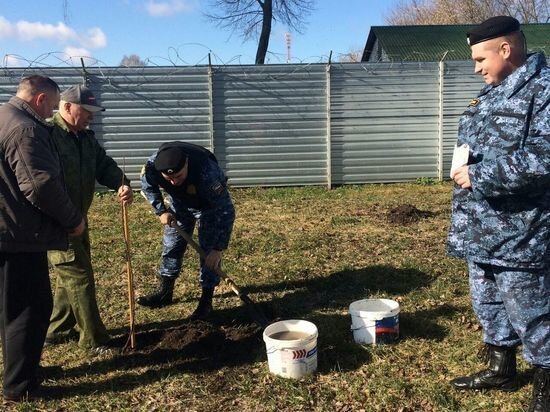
point(25, 309)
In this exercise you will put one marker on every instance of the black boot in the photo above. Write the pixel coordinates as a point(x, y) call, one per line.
point(501, 373)
point(162, 296)
point(205, 305)
point(541, 391)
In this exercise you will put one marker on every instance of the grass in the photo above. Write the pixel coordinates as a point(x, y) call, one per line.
point(303, 253)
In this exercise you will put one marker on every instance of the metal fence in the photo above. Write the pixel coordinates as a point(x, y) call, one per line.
point(282, 125)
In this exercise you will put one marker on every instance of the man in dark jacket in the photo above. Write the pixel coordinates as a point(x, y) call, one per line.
point(196, 190)
point(83, 161)
point(35, 215)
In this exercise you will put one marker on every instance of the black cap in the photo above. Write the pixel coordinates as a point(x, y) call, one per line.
point(492, 28)
point(170, 160)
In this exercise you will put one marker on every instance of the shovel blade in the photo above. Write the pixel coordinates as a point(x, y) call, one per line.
point(255, 313)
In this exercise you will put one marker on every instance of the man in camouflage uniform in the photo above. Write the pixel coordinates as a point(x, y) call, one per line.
point(84, 161)
point(195, 188)
point(501, 207)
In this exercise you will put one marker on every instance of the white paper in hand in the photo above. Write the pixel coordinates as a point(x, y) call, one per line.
point(460, 157)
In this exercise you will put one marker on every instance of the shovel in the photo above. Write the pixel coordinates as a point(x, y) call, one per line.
point(255, 312)
point(131, 298)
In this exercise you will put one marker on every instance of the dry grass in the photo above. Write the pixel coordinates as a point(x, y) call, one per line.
point(302, 253)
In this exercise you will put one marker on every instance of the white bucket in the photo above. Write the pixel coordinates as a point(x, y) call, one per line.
point(374, 321)
point(291, 348)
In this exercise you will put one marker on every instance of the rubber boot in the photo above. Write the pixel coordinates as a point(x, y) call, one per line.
point(501, 373)
point(541, 391)
point(205, 305)
point(162, 296)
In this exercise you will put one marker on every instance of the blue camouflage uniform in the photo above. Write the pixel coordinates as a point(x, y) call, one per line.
point(204, 198)
point(501, 226)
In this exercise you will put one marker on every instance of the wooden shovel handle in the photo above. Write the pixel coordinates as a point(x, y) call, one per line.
point(202, 254)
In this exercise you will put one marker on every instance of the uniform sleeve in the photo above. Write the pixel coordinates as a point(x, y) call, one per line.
point(107, 171)
point(150, 188)
point(33, 159)
point(219, 209)
point(526, 170)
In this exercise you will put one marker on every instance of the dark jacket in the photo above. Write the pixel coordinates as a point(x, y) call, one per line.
point(35, 210)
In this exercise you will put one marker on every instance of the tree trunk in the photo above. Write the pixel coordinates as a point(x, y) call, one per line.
point(263, 42)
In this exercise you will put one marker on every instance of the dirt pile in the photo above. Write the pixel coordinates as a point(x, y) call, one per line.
point(198, 337)
point(405, 214)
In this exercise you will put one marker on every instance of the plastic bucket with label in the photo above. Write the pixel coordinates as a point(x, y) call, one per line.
point(374, 321)
point(291, 348)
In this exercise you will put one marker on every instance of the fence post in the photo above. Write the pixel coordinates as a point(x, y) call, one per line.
point(211, 103)
point(440, 126)
point(85, 79)
point(329, 132)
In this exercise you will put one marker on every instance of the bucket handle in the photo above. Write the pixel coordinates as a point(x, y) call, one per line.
point(372, 317)
point(273, 349)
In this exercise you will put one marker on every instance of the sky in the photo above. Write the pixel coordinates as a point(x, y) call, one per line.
point(169, 32)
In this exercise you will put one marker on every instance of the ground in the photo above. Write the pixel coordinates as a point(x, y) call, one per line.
point(298, 253)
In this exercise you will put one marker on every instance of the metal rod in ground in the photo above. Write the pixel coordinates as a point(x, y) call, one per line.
point(130, 276)
point(258, 316)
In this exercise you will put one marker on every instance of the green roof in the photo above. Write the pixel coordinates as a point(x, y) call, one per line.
point(429, 43)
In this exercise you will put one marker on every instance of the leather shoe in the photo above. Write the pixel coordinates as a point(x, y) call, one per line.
point(500, 374)
point(39, 392)
point(58, 340)
point(486, 379)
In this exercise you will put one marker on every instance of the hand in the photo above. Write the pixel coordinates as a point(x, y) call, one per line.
point(125, 194)
point(462, 178)
point(167, 218)
point(77, 231)
point(213, 259)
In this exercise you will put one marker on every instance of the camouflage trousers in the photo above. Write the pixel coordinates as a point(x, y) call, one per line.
point(174, 246)
point(513, 307)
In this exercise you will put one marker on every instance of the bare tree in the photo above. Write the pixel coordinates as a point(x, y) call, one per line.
point(467, 11)
point(352, 56)
point(131, 60)
point(253, 18)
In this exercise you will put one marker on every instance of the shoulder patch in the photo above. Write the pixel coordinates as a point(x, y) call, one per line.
point(473, 103)
point(191, 190)
point(142, 173)
point(218, 188)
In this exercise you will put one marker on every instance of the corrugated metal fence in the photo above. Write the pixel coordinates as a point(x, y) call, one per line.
point(282, 124)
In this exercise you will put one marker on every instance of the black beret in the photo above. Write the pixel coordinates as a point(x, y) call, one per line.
point(170, 160)
point(492, 28)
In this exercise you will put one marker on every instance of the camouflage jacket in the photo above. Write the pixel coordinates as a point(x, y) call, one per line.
point(84, 161)
point(204, 194)
point(505, 218)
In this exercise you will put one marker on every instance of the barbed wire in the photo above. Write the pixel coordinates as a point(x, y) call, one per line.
point(57, 59)
point(128, 79)
point(174, 57)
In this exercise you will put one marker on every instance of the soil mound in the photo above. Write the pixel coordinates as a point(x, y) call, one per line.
point(198, 338)
point(405, 214)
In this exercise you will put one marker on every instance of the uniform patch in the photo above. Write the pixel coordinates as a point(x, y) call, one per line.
point(218, 188)
point(473, 103)
point(142, 173)
point(191, 190)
